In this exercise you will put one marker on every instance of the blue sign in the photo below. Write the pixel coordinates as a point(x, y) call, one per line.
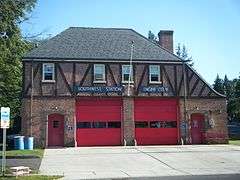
point(5, 117)
point(183, 127)
point(98, 89)
point(149, 89)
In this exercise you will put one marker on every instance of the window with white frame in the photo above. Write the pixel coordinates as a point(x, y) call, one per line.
point(48, 72)
point(126, 70)
point(99, 73)
point(154, 73)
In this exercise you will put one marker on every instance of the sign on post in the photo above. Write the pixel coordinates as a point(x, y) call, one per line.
point(5, 121)
point(5, 117)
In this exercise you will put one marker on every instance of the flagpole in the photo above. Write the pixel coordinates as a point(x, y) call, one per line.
point(130, 68)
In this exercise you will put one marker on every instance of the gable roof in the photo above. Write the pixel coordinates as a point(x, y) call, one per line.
point(100, 43)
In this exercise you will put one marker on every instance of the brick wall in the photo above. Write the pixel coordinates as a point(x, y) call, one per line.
point(166, 40)
point(42, 107)
point(214, 111)
point(128, 120)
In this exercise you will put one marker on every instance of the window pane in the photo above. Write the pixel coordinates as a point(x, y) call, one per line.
point(83, 125)
point(154, 69)
point(48, 70)
point(55, 124)
point(99, 71)
point(163, 124)
point(126, 72)
point(141, 124)
point(170, 124)
point(99, 77)
point(155, 124)
point(126, 69)
point(126, 77)
point(99, 125)
point(114, 124)
point(154, 78)
point(154, 73)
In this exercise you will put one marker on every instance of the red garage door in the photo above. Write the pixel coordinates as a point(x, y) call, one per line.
point(98, 121)
point(156, 121)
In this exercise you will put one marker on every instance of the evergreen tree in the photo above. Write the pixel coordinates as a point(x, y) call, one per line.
point(218, 85)
point(12, 48)
point(151, 36)
point(227, 86)
point(236, 99)
point(233, 105)
point(230, 88)
point(181, 51)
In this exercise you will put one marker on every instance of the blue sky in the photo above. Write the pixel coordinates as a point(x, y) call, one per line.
point(209, 28)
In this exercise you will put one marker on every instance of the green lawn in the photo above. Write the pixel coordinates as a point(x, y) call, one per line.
point(32, 177)
point(21, 153)
point(234, 142)
point(35, 152)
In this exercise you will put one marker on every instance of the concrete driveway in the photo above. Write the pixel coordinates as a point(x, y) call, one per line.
point(141, 161)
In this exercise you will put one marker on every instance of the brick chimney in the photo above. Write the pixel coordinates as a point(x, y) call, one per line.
point(166, 39)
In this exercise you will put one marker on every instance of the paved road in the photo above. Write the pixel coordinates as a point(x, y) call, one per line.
point(154, 161)
point(198, 177)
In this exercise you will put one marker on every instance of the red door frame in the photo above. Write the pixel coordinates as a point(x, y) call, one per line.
point(197, 134)
point(55, 134)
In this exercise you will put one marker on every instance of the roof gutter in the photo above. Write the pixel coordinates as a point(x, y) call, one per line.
point(101, 60)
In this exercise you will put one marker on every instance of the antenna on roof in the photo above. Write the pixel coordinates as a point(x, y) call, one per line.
point(130, 68)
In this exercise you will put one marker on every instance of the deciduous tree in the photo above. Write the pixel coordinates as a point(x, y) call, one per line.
point(12, 48)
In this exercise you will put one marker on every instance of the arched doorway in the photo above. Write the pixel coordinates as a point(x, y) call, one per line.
point(55, 130)
point(197, 128)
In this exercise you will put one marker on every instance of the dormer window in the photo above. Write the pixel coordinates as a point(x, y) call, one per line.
point(99, 73)
point(154, 74)
point(48, 72)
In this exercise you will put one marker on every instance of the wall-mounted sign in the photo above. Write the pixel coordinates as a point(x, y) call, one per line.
point(98, 89)
point(158, 89)
point(183, 128)
point(5, 117)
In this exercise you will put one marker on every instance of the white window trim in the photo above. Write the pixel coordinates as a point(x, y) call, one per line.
point(43, 80)
point(154, 82)
point(130, 75)
point(104, 74)
point(99, 81)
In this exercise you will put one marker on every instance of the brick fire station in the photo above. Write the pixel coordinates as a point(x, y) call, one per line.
point(113, 86)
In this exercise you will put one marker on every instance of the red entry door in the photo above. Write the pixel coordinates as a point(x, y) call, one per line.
point(55, 130)
point(197, 125)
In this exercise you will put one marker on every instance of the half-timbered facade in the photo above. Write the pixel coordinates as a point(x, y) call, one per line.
point(81, 89)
